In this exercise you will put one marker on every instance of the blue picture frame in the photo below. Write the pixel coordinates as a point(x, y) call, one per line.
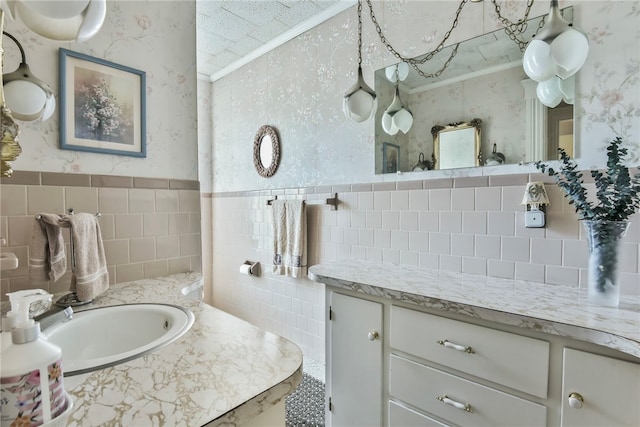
point(102, 106)
point(390, 157)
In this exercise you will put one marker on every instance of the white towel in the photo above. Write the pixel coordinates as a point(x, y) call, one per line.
point(90, 276)
point(289, 238)
point(47, 260)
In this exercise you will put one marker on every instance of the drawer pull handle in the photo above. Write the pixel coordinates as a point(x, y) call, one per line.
point(575, 400)
point(373, 335)
point(454, 346)
point(463, 406)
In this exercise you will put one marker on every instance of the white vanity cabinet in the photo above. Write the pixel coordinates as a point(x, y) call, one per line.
point(395, 365)
point(599, 390)
point(354, 352)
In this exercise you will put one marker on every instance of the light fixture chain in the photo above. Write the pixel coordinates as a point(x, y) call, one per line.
point(441, 70)
point(515, 29)
point(430, 55)
point(359, 33)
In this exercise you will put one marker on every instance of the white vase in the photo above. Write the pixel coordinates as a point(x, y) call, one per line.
point(604, 239)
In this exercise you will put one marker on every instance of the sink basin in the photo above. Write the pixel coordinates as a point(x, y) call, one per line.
point(102, 337)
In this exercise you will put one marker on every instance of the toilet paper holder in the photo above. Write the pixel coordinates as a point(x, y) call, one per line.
point(250, 268)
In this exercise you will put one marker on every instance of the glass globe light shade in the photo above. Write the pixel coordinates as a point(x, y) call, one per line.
point(60, 9)
point(359, 106)
point(67, 20)
point(388, 124)
point(403, 120)
point(360, 100)
point(538, 62)
point(549, 93)
point(396, 72)
point(568, 89)
point(24, 99)
point(49, 108)
point(569, 52)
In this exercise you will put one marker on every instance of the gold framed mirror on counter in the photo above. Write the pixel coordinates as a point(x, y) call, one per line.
point(457, 145)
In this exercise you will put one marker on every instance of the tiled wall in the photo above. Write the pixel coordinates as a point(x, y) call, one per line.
point(150, 227)
point(472, 225)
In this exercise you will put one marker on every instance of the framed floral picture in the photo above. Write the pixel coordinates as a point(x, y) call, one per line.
point(102, 106)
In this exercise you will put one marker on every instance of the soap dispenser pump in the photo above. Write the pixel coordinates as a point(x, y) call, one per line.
point(9, 320)
point(31, 387)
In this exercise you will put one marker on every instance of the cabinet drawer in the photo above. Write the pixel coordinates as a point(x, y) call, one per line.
point(610, 389)
point(521, 363)
point(399, 416)
point(421, 386)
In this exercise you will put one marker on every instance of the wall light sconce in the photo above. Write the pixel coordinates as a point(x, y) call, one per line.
point(360, 100)
point(28, 97)
point(535, 198)
point(555, 54)
point(76, 20)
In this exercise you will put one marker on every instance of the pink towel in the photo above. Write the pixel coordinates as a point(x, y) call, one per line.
point(47, 260)
point(90, 277)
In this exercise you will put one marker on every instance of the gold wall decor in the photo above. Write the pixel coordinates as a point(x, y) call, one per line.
point(10, 147)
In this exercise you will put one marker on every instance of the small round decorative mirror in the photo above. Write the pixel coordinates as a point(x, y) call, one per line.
point(266, 151)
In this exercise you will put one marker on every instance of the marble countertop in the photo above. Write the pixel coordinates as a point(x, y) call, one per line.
point(223, 371)
point(553, 309)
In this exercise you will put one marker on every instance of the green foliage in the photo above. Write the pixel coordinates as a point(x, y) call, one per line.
point(617, 193)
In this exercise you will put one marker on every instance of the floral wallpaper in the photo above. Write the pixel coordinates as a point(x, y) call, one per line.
point(298, 89)
point(157, 37)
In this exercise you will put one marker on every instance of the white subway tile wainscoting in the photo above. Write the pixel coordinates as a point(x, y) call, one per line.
point(477, 230)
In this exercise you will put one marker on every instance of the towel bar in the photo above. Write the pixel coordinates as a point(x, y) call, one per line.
point(332, 201)
point(71, 299)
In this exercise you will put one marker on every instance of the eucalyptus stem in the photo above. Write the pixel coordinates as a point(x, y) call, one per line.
point(617, 193)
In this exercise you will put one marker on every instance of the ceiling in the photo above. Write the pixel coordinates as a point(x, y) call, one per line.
point(231, 33)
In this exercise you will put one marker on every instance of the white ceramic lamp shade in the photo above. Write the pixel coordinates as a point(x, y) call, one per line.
point(535, 195)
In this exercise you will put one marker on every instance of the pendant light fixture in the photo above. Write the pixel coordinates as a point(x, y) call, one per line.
point(558, 49)
point(64, 20)
point(360, 100)
point(28, 97)
point(396, 117)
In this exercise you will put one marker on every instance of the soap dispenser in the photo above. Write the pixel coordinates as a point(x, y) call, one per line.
point(32, 390)
point(8, 321)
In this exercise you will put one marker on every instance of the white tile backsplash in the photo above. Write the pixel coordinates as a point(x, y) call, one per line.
point(430, 228)
point(462, 199)
point(546, 251)
point(409, 221)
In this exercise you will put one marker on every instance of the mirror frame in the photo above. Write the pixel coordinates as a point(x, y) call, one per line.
point(269, 171)
point(439, 129)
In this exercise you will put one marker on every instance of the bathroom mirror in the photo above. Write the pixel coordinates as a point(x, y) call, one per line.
point(457, 145)
point(266, 151)
point(486, 80)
